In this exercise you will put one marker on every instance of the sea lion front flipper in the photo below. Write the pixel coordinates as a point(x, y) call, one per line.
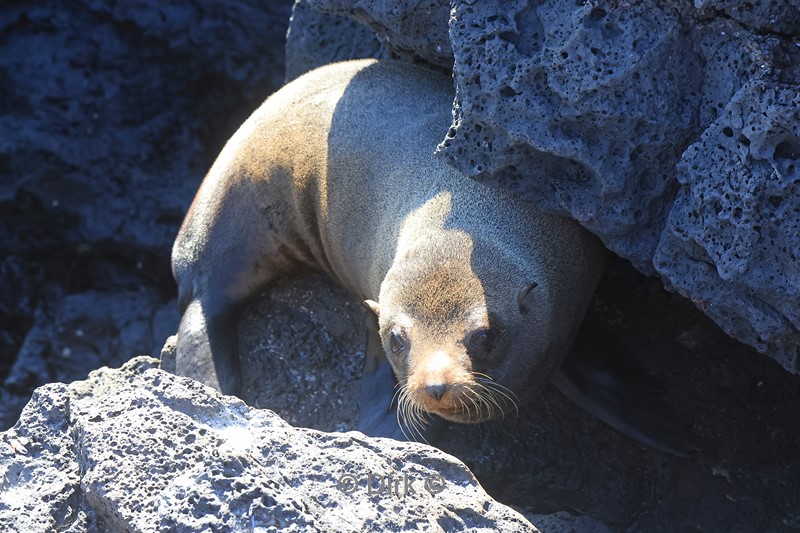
point(378, 408)
point(373, 351)
point(603, 378)
point(377, 401)
point(206, 348)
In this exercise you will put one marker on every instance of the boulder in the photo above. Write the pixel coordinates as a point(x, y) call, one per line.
point(138, 449)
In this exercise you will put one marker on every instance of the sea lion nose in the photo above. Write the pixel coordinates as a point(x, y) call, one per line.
point(436, 391)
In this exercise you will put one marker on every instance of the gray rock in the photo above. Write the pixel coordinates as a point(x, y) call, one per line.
point(110, 114)
point(415, 29)
point(731, 242)
point(315, 39)
point(39, 476)
point(588, 110)
point(87, 330)
point(90, 110)
point(564, 522)
point(776, 16)
point(138, 449)
point(578, 108)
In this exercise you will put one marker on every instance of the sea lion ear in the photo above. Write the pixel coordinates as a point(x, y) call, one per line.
point(523, 293)
point(375, 306)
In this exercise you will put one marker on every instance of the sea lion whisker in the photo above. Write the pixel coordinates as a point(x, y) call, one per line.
point(498, 387)
point(494, 390)
point(404, 408)
point(407, 415)
point(489, 400)
point(499, 394)
point(397, 393)
point(401, 420)
point(507, 399)
point(489, 380)
point(502, 336)
point(419, 422)
point(488, 395)
point(481, 400)
point(477, 407)
point(491, 403)
point(509, 396)
point(465, 407)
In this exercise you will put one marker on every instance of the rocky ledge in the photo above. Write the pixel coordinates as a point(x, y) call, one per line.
point(138, 449)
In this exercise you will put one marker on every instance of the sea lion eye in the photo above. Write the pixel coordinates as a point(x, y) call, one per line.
point(396, 343)
point(482, 340)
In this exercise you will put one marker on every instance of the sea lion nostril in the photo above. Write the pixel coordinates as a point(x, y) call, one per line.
point(436, 391)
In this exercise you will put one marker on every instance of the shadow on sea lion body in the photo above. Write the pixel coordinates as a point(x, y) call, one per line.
point(477, 296)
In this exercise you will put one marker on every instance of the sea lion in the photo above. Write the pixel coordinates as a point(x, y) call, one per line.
point(477, 294)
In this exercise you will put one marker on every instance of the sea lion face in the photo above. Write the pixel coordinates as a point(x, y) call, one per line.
point(460, 348)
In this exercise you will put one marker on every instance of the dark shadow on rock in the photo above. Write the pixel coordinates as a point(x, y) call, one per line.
point(111, 113)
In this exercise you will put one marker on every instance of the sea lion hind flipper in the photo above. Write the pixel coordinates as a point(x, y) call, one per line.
point(206, 348)
point(378, 410)
point(616, 394)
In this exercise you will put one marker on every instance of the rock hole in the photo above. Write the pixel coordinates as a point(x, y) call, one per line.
point(727, 132)
point(788, 149)
point(508, 92)
point(597, 13)
point(612, 30)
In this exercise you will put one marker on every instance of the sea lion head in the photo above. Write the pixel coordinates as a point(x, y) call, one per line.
point(468, 340)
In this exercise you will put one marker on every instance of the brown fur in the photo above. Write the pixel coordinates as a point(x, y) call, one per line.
point(337, 172)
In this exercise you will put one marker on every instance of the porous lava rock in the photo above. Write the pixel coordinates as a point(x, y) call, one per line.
point(138, 449)
point(111, 114)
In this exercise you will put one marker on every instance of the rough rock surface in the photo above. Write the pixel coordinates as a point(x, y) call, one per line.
point(111, 112)
point(138, 449)
point(416, 29)
point(737, 213)
point(611, 112)
point(313, 42)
